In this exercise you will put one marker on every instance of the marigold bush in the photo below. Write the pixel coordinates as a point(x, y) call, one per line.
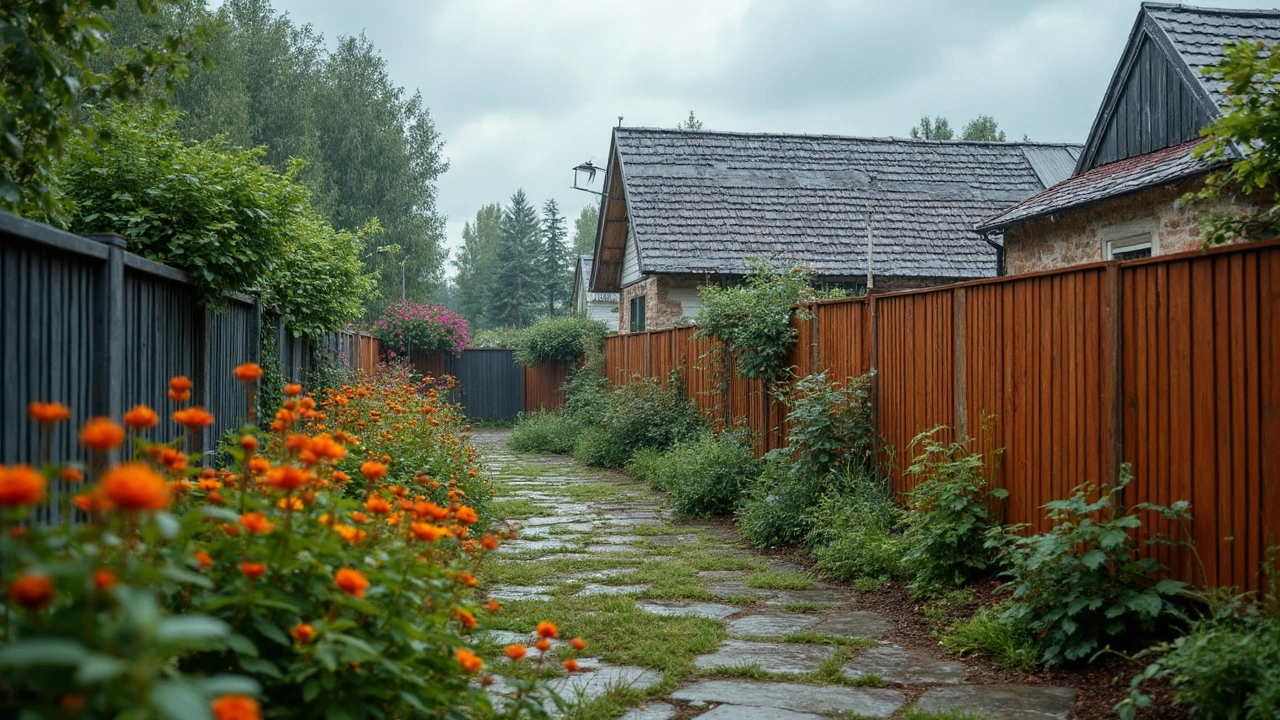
point(285, 584)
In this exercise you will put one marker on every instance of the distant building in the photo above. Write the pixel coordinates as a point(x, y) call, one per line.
point(1119, 202)
point(597, 306)
point(682, 209)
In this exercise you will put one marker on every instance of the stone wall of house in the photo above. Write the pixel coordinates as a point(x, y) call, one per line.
point(659, 310)
point(1080, 236)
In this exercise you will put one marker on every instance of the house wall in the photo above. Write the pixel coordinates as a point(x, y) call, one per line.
point(667, 300)
point(630, 260)
point(606, 311)
point(1080, 236)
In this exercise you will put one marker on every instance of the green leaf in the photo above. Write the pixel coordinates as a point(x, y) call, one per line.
point(178, 700)
point(96, 668)
point(271, 631)
point(41, 651)
point(185, 628)
point(230, 685)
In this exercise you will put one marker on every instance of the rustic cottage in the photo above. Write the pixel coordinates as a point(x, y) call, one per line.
point(597, 306)
point(683, 209)
point(1120, 202)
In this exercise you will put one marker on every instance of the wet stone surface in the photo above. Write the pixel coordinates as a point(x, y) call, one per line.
point(520, 592)
point(794, 697)
point(771, 624)
point(595, 589)
point(1002, 702)
point(783, 658)
point(651, 711)
point(738, 589)
point(895, 664)
point(715, 611)
point(854, 624)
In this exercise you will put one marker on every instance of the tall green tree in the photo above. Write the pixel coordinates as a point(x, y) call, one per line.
point(938, 128)
point(475, 263)
point(584, 231)
point(690, 123)
point(516, 294)
point(554, 263)
point(983, 127)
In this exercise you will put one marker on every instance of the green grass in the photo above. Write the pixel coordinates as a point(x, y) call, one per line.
point(806, 607)
point(590, 492)
point(780, 580)
point(866, 681)
point(869, 584)
point(912, 713)
point(514, 508)
point(986, 634)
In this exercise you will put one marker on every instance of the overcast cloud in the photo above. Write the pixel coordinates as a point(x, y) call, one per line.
point(523, 91)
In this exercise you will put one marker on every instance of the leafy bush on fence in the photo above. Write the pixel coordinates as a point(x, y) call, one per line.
point(191, 593)
point(856, 531)
point(564, 339)
point(706, 474)
point(548, 431)
point(406, 326)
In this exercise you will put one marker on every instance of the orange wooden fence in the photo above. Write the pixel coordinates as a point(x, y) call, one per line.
point(541, 386)
point(1168, 363)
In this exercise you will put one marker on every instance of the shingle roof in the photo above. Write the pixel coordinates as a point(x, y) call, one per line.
point(1117, 178)
point(1198, 35)
point(706, 201)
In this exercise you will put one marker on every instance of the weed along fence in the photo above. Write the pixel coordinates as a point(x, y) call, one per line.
point(1169, 363)
point(86, 323)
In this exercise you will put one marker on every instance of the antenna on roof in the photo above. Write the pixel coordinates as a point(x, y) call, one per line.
point(619, 121)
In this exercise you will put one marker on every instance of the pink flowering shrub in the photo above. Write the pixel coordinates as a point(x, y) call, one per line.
point(405, 325)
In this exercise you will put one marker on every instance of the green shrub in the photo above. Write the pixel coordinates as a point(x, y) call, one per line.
point(831, 434)
point(986, 634)
point(566, 339)
point(1227, 665)
point(644, 465)
point(706, 474)
point(545, 432)
point(627, 418)
point(854, 535)
point(1075, 586)
point(597, 447)
point(945, 539)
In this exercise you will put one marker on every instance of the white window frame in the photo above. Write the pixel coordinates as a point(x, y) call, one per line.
point(1130, 236)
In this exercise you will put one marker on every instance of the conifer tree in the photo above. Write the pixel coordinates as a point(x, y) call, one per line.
point(555, 258)
point(516, 293)
point(476, 264)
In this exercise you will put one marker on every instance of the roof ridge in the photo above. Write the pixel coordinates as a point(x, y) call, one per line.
point(863, 138)
point(1243, 12)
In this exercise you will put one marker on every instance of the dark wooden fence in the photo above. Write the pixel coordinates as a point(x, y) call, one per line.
point(1168, 363)
point(491, 384)
point(88, 324)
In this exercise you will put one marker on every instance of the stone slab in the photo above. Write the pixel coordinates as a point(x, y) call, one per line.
point(714, 611)
point(595, 589)
point(828, 699)
point(823, 596)
point(896, 664)
point(545, 544)
point(737, 588)
point(771, 624)
point(542, 521)
point(748, 712)
point(784, 658)
point(594, 683)
point(1002, 702)
point(519, 592)
point(585, 575)
point(854, 624)
point(618, 539)
point(669, 540)
point(651, 711)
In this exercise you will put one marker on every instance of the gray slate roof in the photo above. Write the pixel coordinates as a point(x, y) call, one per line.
point(1198, 35)
point(706, 201)
point(1117, 178)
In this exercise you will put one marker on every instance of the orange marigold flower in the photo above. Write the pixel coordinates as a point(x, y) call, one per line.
point(215, 498)
point(466, 515)
point(287, 477)
point(377, 505)
point(351, 582)
point(547, 629)
point(48, 413)
point(204, 559)
point(359, 517)
point(432, 510)
point(141, 417)
point(193, 418)
point(373, 470)
point(290, 503)
point(293, 389)
point(181, 384)
point(467, 619)
point(249, 443)
point(515, 652)
point(92, 502)
point(469, 660)
point(571, 665)
point(20, 485)
point(247, 372)
point(256, 522)
point(578, 643)
point(493, 606)
point(303, 633)
point(31, 591)
point(427, 532)
point(253, 569)
point(135, 486)
point(209, 484)
point(71, 474)
point(104, 579)
point(324, 446)
point(176, 396)
point(259, 465)
point(543, 645)
point(467, 579)
point(236, 707)
point(101, 434)
point(489, 542)
point(349, 534)
point(339, 476)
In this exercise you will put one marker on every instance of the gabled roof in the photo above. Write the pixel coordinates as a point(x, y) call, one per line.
point(1158, 102)
point(1131, 174)
point(704, 202)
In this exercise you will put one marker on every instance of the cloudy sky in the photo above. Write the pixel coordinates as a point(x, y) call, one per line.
point(523, 91)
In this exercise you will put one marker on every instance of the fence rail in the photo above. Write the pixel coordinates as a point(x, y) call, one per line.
point(1168, 363)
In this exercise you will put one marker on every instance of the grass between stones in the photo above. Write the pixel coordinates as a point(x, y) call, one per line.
point(780, 580)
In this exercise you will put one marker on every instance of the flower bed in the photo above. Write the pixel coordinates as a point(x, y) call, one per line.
point(406, 326)
point(325, 571)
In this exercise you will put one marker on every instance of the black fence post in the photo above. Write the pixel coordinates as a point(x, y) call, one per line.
point(108, 318)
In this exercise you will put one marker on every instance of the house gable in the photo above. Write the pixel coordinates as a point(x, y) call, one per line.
point(630, 261)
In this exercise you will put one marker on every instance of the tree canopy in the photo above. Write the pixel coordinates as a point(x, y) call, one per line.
point(983, 127)
point(584, 230)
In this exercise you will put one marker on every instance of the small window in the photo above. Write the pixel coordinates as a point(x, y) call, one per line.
point(637, 313)
point(1130, 247)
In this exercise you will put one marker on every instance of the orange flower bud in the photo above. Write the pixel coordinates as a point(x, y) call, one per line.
point(48, 413)
point(141, 417)
point(101, 434)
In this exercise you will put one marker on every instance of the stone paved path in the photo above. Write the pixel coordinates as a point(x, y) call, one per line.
point(789, 648)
